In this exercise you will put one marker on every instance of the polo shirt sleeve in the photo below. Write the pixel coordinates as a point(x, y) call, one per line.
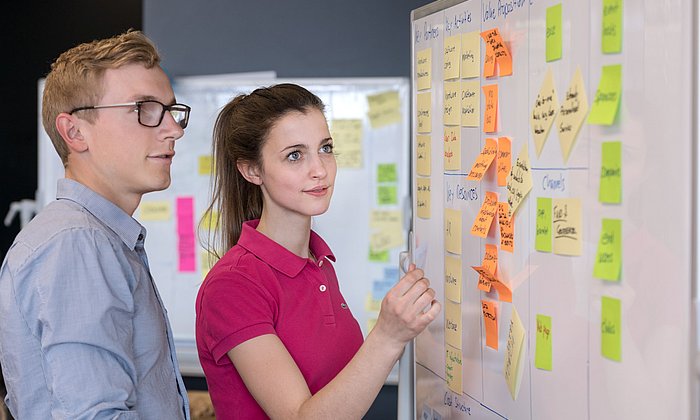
point(234, 308)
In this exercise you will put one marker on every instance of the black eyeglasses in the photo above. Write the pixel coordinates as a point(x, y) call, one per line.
point(150, 112)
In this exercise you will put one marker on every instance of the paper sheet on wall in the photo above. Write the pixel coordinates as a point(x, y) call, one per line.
point(513, 361)
point(503, 160)
point(423, 197)
point(572, 114)
point(204, 165)
point(506, 227)
point(483, 161)
point(423, 155)
point(453, 231)
point(386, 229)
point(543, 225)
point(453, 278)
point(519, 182)
point(453, 324)
point(544, 111)
point(157, 210)
point(566, 226)
point(452, 150)
point(490, 108)
point(451, 104)
point(611, 173)
point(553, 33)
point(386, 172)
point(608, 260)
point(452, 57)
point(607, 96)
point(423, 68)
point(484, 219)
point(471, 103)
point(496, 46)
point(543, 342)
point(185, 234)
point(453, 370)
point(384, 109)
point(347, 142)
point(471, 54)
point(611, 30)
point(611, 328)
point(423, 108)
point(490, 264)
point(488, 309)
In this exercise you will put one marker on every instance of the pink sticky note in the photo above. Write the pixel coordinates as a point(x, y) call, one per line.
point(185, 234)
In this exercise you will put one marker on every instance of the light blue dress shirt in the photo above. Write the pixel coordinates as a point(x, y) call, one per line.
point(83, 331)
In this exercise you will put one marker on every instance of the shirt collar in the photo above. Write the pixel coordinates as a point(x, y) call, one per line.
point(277, 256)
point(125, 226)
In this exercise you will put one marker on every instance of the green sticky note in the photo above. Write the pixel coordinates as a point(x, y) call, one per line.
point(607, 97)
point(611, 173)
point(543, 348)
point(608, 260)
point(553, 36)
point(612, 26)
point(543, 227)
point(378, 256)
point(386, 194)
point(611, 328)
point(386, 172)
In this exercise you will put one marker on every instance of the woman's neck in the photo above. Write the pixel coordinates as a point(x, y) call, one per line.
point(293, 236)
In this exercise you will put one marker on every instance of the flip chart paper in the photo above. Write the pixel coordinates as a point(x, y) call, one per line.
point(423, 112)
point(488, 309)
point(505, 224)
point(453, 324)
point(608, 261)
point(471, 53)
point(453, 278)
point(491, 108)
point(453, 369)
point(452, 103)
point(572, 114)
point(423, 197)
point(566, 226)
point(384, 109)
point(543, 343)
point(453, 231)
point(347, 141)
point(423, 155)
point(452, 58)
point(423, 68)
point(519, 182)
point(503, 160)
point(607, 96)
point(484, 219)
point(612, 26)
point(512, 364)
point(452, 151)
point(155, 210)
point(471, 103)
point(483, 161)
point(553, 33)
point(544, 111)
point(543, 225)
point(611, 173)
point(611, 328)
point(496, 46)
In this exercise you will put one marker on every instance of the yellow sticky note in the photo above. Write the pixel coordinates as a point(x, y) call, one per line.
point(423, 197)
point(453, 278)
point(519, 181)
point(152, 211)
point(423, 107)
point(512, 364)
point(210, 220)
point(207, 261)
point(384, 108)
point(453, 147)
point(566, 226)
point(471, 53)
point(423, 147)
point(483, 161)
point(347, 142)
point(544, 111)
point(453, 324)
point(205, 165)
point(572, 114)
point(453, 369)
point(453, 231)
point(488, 309)
point(503, 161)
point(471, 103)
point(451, 62)
point(387, 229)
point(607, 96)
point(497, 47)
point(423, 68)
point(484, 219)
point(451, 103)
point(372, 304)
point(491, 108)
point(506, 224)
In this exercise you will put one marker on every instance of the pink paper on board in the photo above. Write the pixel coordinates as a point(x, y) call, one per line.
point(185, 234)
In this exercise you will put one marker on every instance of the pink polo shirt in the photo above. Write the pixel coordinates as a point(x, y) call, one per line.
point(259, 287)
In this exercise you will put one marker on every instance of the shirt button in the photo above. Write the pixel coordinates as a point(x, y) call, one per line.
point(320, 263)
point(343, 305)
point(140, 236)
point(322, 287)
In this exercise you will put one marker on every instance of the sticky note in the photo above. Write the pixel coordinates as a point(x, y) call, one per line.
point(347, 142)
point(519, 182)
point(452, 59)
point(608, 260)
point(453, 231)
point(471, 54)
point(452, 150)
point(386, 229)
point(497, 47)
point(423, 147)
point(566, 226)
point(210, 220)
point(381, 287)
point(453, 278)
point(512, 363)
point(503, 160)
point(378, 256)
point(185, 234)
point(490, 108)
point(482, 222)
point(612, 26)
point(611, 328)
point(553, 33)
point(488, 309)
point(543, 225)
point(206, 262)
point(453, 370)
point(423, 68)
point(506, 228)
point(384, 108)
point(543, 343)
point(572, 114)
point(490, 265)
point(387, 195)
point(504, 292)
point(544, 111)
point(451, 103)
point(386, 172)
point(607, 96)
point(611, 173)
point(204, 166)
point(371, 304)
point(483, 161)
point(453, 324)
point(489, 62)
point(150, 211)
point(471, 103)
point(423, 118)
point(423, 197)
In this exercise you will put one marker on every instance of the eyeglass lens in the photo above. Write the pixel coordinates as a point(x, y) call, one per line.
point(151, 113)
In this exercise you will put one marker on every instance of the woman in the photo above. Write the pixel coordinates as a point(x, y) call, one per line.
point(274, 334)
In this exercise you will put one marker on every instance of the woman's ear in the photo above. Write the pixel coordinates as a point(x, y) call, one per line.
point(68, 127)
point(250, 172)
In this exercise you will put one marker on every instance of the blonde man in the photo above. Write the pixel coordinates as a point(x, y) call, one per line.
point(84, 333)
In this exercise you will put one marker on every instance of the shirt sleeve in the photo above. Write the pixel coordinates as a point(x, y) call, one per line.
point(78, 301)
point(233, 309)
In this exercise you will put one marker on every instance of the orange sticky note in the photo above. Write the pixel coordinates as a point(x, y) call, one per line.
point(504, 292)
point(490, 323)
point(489, 278)
point(503, 160)
point(490, 263)
point(483, 161)
point(482, 223)
point(489, 62)
point(502, 57)
point(490, 108)
point(506, 225)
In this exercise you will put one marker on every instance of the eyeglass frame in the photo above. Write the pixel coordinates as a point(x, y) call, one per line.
point(137, 104)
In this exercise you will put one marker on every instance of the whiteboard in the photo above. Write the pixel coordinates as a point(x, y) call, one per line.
point(656, 376)
point(345, 226)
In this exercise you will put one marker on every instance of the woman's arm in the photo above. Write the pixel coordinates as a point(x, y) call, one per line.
point(274, 380)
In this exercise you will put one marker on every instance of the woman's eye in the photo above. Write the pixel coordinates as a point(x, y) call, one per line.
point(294, 156)
point(328, 148)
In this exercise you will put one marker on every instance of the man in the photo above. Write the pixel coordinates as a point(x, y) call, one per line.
point(84, 333)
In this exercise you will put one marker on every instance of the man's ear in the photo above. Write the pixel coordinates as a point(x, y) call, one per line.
point(69, 128)
point(250, 172)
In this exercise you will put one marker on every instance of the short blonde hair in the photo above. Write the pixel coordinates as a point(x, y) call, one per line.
point(75, 78)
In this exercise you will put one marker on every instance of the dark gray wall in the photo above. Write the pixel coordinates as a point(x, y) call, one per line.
point(296, 38)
